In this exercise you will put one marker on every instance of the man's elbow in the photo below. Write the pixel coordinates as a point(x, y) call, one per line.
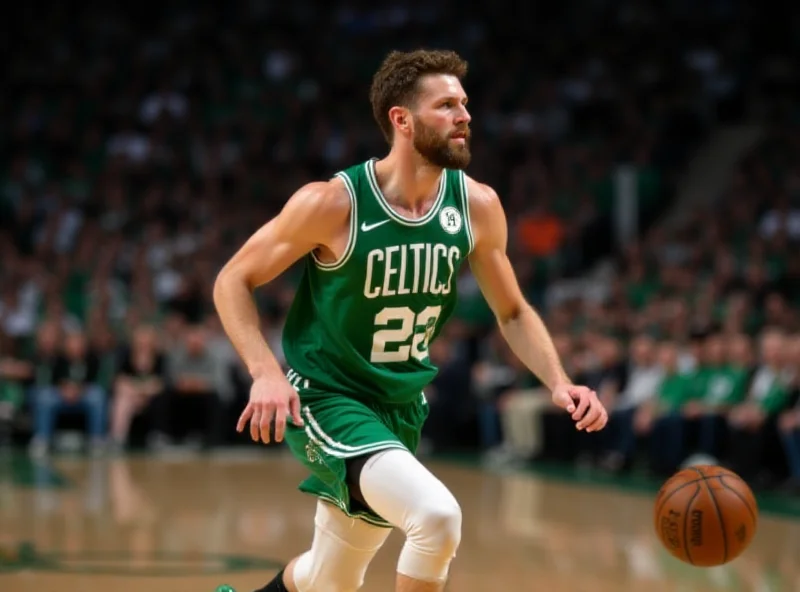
point(228, 277)
point(220, 283)
point(511, 313)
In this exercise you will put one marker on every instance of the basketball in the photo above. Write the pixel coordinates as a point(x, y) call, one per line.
point(705, 515)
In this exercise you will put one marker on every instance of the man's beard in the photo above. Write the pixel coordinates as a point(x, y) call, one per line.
point(439, 151)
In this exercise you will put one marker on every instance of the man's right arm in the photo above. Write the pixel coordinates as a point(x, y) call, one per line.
point(311, 218)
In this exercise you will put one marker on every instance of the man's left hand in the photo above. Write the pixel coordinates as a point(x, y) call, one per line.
point(584, 406)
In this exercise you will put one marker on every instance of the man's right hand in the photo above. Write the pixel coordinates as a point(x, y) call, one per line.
point(270, 397)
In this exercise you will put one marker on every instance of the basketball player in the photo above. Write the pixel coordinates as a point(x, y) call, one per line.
point(382, 244)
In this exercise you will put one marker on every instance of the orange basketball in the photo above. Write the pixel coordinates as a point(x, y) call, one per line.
point(705, 515)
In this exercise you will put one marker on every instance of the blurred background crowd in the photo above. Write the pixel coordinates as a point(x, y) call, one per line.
point(653, 193)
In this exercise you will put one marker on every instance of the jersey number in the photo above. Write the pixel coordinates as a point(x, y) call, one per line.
point(417, 327)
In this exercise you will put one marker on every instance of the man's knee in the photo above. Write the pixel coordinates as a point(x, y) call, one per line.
point(433, 535)
point(435, 526)
point(402, 491)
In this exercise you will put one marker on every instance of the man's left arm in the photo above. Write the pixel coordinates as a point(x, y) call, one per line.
point(520, 324)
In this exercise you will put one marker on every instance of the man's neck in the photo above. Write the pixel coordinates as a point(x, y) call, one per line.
point(408, 181)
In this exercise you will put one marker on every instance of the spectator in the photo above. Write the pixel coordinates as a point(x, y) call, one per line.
point(194, 401)
point(103, 344)
point(644, 378)
point(447, 411)
point(74, 390)
point(42, 361)
point(789, 420)
point(607, 375)
point(12, 395)
point(15, 374)
point(29, 374)
point(540, 232)
point(141, 379)
point(767, 395)
point(722, 385)
point(660, 418)
point(521, 411)
point(492, 375)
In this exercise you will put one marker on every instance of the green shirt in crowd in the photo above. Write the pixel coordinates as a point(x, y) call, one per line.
point(769, 390)
point(675, 390)
point(726, 386)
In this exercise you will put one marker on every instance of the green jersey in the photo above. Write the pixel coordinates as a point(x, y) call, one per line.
point(361, 325)
point(726, 386)
point(675, 390)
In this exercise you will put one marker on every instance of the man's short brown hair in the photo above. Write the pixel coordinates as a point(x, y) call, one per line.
point(396, 83)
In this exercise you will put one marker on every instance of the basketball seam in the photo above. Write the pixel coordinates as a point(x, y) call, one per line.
point(686, 514)
point(740, 496)
point(719, 514)
point(673, 492)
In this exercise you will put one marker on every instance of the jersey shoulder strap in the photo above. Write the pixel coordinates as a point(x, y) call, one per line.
point(459, 199)
point(353, 181)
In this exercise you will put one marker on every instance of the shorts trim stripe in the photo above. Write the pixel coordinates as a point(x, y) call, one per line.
point(375, 447)
point(342, 450)
point(357, 515)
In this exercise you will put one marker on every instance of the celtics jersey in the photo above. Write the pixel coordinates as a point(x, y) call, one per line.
point(361, 325)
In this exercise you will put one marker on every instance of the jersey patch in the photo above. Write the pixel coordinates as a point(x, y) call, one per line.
point(450, 219)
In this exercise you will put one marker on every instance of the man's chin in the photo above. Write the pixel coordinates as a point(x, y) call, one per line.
point(456, 156)
point(460, 157)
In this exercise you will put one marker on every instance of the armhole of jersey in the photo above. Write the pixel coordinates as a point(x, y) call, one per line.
point(351, 241)
point(465, 203)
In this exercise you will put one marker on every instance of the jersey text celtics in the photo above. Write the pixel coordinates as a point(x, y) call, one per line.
point(361, 325)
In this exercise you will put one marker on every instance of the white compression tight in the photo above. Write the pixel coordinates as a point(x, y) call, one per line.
point(342, 550)
point(406, 494)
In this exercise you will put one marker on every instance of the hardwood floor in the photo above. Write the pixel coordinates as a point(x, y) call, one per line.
point(168, 525)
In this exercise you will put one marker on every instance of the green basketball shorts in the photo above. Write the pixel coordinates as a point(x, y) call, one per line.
point(337, 428)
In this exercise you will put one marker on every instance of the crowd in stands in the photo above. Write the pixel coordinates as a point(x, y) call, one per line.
point(696, 341)
point(142, 149)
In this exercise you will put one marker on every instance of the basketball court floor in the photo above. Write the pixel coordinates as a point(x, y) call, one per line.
point(190, 523)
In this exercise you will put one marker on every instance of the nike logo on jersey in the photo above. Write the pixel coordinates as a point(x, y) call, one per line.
point(367, 227)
